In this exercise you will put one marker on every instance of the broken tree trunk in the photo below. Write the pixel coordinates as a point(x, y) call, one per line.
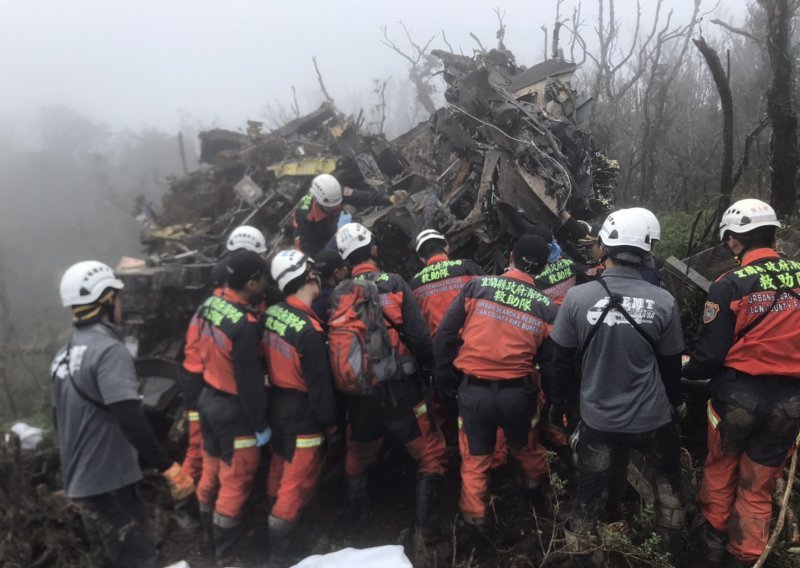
point(722, 81)
point(782, 117)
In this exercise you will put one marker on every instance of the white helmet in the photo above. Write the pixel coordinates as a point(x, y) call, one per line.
point(326, 190)
point(625, 229)
point(652, 222)
point(248, 238)
point(428, 235)
point(350, 237)
point(746, 215)
point(288, 265)
point(84, 282)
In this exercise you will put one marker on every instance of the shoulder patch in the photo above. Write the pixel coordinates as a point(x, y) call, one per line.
point(710, 311)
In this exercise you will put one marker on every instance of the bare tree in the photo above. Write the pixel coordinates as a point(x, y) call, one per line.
point(327, 95)
point(654, 104)
point(782, 116)
point(295, 104)
point(422, 65)
point(556, 50)
point(379, 108)
point(501, 28)
point(722, 81)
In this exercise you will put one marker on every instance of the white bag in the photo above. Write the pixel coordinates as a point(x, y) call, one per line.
point(390, 556)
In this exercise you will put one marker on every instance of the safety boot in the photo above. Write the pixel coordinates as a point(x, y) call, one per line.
point(357, 496)
point(428, 489)
point(227, 533)
point(585, 553)
point(713, 544)
point(670, 522)
point(207, 523)
point(185, 515)
point(472, 538)
point(536, 495)
point(280, 542)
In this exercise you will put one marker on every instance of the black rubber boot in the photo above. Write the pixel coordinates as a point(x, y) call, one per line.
point(536, 496)
point(713, 544)
point(670, 522)
point(227, 534)
point(429, 487)
point(357, 496)
point(671, 542)
point(280, 542)
point(207, 522)
point(472, 539)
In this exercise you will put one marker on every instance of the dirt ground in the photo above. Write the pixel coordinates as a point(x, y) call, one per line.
point(39, 527)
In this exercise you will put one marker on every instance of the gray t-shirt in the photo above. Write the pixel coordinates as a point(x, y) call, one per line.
point(95, 455)
point(621, 387)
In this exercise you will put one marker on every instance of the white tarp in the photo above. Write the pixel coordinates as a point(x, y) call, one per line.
point(391, 556)
point(29, 436)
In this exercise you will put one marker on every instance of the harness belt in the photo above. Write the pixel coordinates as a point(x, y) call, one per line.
point(499, 383)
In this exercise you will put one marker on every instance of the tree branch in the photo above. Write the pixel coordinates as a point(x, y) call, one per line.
point(748, 142)
point(722, 81)
point(295, 105)
point(781, 516)
point(321, 82)
point(736, 30)
point(473, 36)
point(501, 30)
point(447, 43)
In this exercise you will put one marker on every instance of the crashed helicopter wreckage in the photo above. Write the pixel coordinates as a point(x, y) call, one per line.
point(511, 143)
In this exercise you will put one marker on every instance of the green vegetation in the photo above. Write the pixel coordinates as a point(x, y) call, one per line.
point(676, 230)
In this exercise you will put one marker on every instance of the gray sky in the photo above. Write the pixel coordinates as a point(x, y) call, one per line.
point(135, 64)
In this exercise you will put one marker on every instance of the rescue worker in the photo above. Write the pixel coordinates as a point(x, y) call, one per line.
point(437, 285)
point(400, 409)
point(244, 237)
point(316, 217)
point(486, 350)
point(101, 426)
point(594, 250)
point(332, 270)
point(648, 268)
point(559, 273)
point(302, 402)
point(749, 345)
point(233, 402)
point(621, 323)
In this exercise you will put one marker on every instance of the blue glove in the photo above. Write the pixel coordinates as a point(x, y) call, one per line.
point(263, 437)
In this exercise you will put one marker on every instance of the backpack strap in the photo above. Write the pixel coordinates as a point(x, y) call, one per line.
point(426, 395)
point(75, 387)
point(615, 303)
point(762, 316)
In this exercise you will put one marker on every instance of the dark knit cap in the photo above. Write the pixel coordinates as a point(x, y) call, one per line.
point(244, 265)
point(530, 253)
point(326, 261)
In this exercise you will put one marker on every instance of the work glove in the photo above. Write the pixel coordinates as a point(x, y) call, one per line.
point(263, 437)
point(180, 482)
point(398, 197)
point(335, 446)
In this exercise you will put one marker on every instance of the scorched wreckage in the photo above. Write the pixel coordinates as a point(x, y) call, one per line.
point(510, 148)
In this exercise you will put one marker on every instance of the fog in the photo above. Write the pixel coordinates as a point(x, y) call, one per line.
point(133, 64)
point(94, 93)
